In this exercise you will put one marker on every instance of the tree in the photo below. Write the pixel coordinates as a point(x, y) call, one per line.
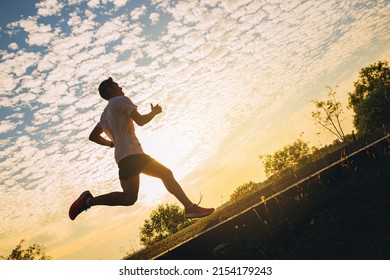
point(243, 190)
point(286, 159)
point(33, 252)
point(328, 115)
point(371, 98)
point(164, 221)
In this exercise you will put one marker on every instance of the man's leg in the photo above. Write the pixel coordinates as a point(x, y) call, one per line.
point(156, 169)
point(126, 198)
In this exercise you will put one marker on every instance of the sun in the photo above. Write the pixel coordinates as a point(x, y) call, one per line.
point(170, 147)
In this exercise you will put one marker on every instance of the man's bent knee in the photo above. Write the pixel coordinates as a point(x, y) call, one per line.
point(167, 174)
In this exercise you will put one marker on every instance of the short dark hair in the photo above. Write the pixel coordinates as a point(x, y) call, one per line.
point(103, 88)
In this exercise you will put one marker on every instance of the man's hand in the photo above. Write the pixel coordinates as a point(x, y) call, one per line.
point(156, 109)
point(144, 119)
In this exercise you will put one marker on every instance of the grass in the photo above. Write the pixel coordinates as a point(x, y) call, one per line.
point(340, 212)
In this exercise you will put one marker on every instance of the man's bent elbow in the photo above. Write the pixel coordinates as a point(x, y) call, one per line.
point(92, 137)
point(95, 133)
point(140, 122)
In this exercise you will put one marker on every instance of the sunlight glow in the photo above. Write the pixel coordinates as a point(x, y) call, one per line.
point(234, 79)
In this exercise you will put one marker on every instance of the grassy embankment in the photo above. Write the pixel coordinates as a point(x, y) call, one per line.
point(335, 208)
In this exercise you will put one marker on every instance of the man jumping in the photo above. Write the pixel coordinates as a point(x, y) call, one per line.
point(117, 122)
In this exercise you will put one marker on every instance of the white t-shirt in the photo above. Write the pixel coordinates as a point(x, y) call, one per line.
point(119, 127)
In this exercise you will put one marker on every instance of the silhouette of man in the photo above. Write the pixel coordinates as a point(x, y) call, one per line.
point(117, 122)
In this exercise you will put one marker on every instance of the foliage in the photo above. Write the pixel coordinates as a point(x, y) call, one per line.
point(286, 159)
point(328, 114)
point(371, 98)
point(33, 252)
point(164, 221)
point(243, 190)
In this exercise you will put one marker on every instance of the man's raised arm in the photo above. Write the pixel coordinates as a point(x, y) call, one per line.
point(144, 119)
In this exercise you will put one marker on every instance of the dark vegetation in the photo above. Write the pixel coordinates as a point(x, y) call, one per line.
point(340, 212)
point(33, 252)
point(164, 221)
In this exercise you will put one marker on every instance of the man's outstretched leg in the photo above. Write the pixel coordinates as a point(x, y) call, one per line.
point(156, 169)
point(126, 198)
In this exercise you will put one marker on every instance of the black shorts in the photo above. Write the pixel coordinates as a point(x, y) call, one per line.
point(132, 165)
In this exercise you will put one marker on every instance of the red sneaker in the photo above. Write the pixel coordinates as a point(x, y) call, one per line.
point(196, 211)
point(79, 205)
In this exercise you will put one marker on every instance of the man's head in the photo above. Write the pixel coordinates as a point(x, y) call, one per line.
point(108, 89)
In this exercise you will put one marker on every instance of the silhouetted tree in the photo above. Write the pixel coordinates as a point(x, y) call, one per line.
point(243, 190)
point(33, 252)
point(328, 115)
point(371, 98)
point(286, 159)
point(164, 221)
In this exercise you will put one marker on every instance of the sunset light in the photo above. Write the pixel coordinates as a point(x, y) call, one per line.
point(234, 79)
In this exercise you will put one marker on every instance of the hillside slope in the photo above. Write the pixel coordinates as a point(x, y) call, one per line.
point(335, 208)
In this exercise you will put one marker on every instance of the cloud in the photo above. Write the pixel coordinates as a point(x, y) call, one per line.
point(39, 34)
point(154, 18)
point(74, 2)
point(15, 67)
point(7, 125)
point(138, 12)
point(49, 7)
point(119, 3)
point(109, 31)
point(13, 46)
point(93, 4)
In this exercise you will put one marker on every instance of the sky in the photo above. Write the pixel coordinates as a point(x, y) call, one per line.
point(234, 78)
